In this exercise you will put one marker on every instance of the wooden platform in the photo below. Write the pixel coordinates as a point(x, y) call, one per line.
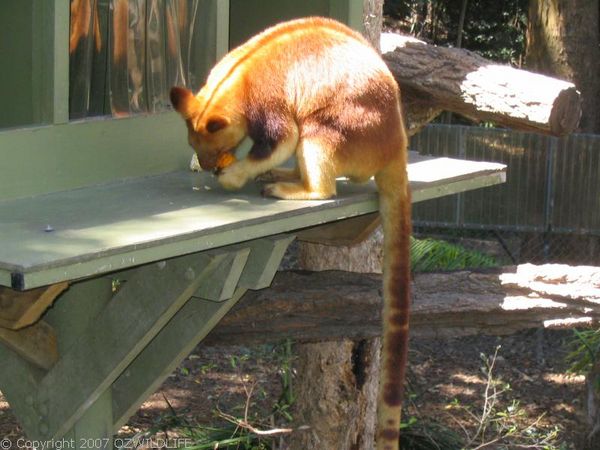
point(85, 232)
point(182, 251)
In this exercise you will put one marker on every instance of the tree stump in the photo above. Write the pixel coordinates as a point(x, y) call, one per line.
point(336, 395)
point(593, 405)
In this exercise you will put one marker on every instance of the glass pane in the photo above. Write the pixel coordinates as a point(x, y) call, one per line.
point(126, 54)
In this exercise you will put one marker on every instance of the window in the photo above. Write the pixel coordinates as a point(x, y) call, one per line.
point(124, 55)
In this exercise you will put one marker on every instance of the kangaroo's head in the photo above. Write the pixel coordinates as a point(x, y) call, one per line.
point(212, 131)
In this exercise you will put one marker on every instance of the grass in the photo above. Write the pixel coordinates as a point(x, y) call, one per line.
point(493, 426)
point(241, 427)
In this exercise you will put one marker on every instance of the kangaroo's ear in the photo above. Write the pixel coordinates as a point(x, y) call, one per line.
point(184, 102)
point(216, 123)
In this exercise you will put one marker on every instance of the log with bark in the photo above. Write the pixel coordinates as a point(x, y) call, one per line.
point(433, 79)
point(330, 305)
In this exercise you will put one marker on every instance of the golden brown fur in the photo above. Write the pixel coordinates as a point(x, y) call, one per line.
point(315, 89)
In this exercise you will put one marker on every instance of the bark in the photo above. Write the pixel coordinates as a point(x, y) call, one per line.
point(435, 78)
point(593, 406)
point(336, 391)
point(563, 38)
point(373, 20)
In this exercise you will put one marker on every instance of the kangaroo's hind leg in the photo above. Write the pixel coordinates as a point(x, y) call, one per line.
point(317, 173)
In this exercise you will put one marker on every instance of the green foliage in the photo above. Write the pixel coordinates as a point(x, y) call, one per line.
point(428, 255)
point(586, 348)
point(494, 29)
point(286, 374)
point(225, 437)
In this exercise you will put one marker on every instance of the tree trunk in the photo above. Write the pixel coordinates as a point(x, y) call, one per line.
point(563, 39)
point(336, 395)
point(373, 20)
point(593, 406)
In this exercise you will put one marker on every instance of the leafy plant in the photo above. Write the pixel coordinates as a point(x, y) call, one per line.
point(586, 349)
point(428, 255)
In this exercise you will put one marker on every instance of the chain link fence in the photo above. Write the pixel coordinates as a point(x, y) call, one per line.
point(547, 211)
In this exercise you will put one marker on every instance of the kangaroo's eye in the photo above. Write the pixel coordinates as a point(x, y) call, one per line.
point(216, 123)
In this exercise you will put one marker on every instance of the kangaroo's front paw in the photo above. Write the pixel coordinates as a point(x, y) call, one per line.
point(266, 177)
point(269, 190)
point(279, 174)
point(233, 177)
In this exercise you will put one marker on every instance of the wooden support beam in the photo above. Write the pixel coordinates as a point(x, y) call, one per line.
point(19, 309)
point(19, 380)
point(176, 339)
point(166, 351)
point(438, 78)
point(94, 428)
point(265, 257)
point(36, 343)
point(116, 348)
point(193, 322)
point(223, 283)
point(140, 309)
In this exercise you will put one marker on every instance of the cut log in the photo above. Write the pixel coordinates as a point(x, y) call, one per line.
point(315, 306)
point(437, 78)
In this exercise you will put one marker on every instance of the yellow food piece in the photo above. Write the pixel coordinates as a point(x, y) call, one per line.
point(226, 159)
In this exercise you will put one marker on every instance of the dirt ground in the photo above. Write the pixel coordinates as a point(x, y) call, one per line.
point(447, 388)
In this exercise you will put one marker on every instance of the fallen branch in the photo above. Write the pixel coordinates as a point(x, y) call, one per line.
point(314, 306)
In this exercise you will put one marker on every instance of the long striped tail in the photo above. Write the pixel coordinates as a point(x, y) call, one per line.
point(395, 209)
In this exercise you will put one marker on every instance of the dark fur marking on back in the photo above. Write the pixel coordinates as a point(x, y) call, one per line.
point(266, 127)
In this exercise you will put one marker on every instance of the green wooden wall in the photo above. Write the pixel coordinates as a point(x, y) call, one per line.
point(16, 60)
point(248, 17)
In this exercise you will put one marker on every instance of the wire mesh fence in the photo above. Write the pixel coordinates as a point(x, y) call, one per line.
point(547, 211)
